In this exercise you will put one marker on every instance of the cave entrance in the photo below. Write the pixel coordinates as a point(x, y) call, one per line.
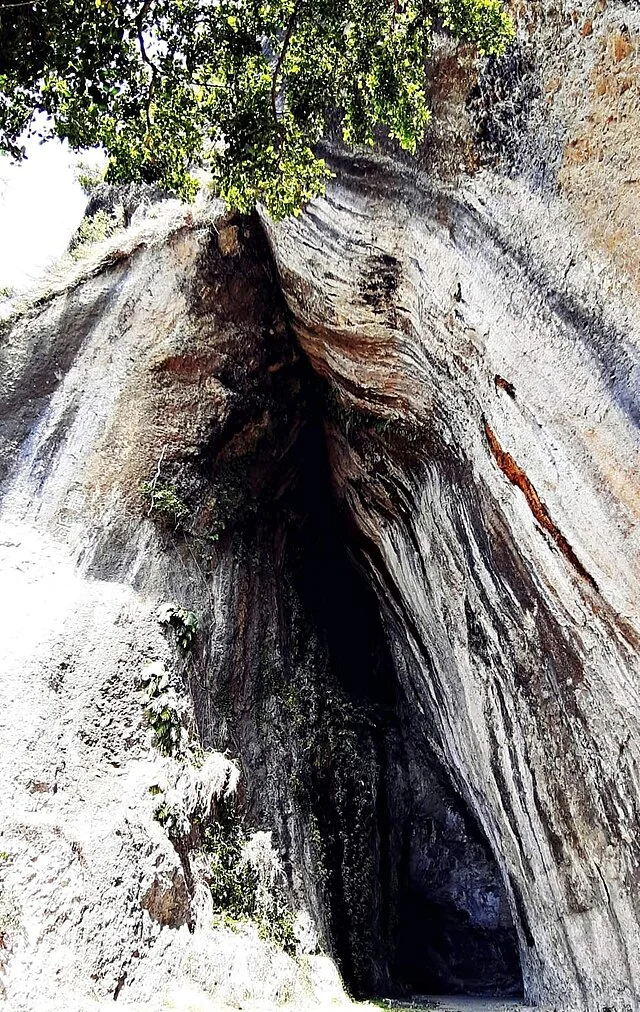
point(377, 843)
point(439, 918)
point(455, 933)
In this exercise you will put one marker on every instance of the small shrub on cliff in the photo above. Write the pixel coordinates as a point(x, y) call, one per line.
point(192, 791)
point(162, 709)
point(246, 880)
point(164, 499)
point(232, 884)
point(184, 623)
point(89, 177)
point(194, 801)
point(92, 230)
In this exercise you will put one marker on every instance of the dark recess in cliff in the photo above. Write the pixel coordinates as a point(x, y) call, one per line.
point(374, 840)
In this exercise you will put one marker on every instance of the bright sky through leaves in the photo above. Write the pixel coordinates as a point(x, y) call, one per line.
point(41, 204)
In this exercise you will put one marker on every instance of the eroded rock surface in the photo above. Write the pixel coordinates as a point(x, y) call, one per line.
point(403, 506)
point(163, 442)
point(125, 371)
point(479, 337)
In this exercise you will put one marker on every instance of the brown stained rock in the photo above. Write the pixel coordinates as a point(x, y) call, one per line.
point(449, 147)
point(517, 477)
point(526, 674)
point(598, 173)
point(179, 364)
point(167, 901)
point(228, 240)
point(415, 294)
point(620, 47)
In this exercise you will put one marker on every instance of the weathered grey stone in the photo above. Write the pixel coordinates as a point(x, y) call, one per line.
point(479, 332)
point(113, 378)
point(437, 763)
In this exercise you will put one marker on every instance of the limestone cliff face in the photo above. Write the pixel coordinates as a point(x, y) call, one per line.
point(476, 324)
point(163, 442)
point(391, 463)
point(147, 363)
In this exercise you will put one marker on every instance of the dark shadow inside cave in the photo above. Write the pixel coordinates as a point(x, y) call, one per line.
point(299, 682)
point(455, 931)
point(441, 918)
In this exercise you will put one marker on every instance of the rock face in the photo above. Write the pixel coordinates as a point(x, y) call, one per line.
point(130, 370)
point(478, 336)
point(391, 463)
point(163, 442)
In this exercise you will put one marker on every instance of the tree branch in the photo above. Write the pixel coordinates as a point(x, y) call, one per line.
point(139, 23)
point(155, 72)
point(283, 53)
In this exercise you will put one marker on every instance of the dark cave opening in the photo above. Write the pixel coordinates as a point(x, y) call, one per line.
point(441, 922)
point(337, 758)
point(455, 930)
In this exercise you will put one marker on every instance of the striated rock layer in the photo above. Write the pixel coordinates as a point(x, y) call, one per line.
point(479, 340)
point(405, 512)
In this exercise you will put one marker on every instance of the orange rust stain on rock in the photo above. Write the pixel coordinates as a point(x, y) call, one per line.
point(517, 477)
point(188, 367)
point(578, 151)
point(228, 240)
point(620, 46)
point(503, 384)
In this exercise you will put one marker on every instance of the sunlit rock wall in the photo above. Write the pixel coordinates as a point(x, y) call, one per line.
point(476, 320)
point(126, 369)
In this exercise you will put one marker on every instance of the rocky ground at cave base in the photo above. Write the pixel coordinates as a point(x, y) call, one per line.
point(457, 1003)
point(184, 999)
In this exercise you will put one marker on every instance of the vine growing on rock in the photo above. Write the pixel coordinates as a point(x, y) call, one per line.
point(165, 500)
point(162, 709)
point(194, 800)
point(334, 756)
point(246, 880)
point(242, 88)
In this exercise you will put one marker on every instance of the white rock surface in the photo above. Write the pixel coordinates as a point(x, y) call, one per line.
point(94, 902)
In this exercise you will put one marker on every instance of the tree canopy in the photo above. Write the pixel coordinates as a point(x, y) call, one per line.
point(243, 88)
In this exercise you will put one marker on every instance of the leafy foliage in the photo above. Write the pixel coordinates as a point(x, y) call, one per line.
point(162, 709)
point(232, 884)
point(246, 880)
point(184, 623)
point(89, 177)
point(99, 226)
point(165, 499)
point(244, 88)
